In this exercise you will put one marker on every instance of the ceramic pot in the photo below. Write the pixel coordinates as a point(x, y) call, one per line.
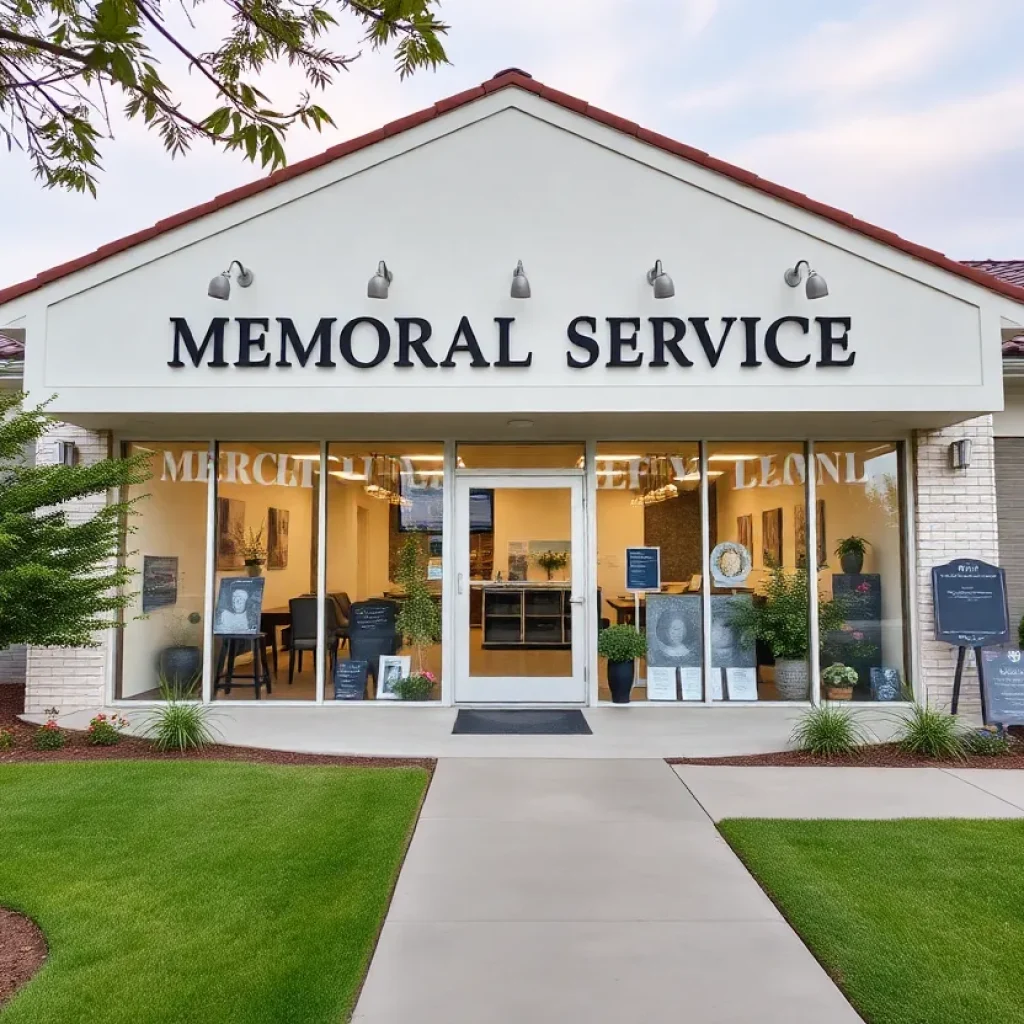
point(852, 562)
point(792, 679)
point(839, 692)
point(253, 568)
point(181, 667)
point(620, 680)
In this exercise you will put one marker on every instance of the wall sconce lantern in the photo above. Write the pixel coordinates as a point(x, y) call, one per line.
point(520, 282)
point(960, 454)
point(663, 285)
point(67, 453)
point(220, 286)
point(816, 286)
point(380, 282)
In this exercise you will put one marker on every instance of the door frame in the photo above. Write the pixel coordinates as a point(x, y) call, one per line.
point(523, 691)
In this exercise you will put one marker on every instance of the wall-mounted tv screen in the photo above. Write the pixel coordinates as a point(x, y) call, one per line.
point(422, 510)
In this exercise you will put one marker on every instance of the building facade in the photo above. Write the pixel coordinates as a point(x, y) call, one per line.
point(503, 345)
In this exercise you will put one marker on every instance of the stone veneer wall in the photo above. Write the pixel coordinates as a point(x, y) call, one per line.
point(66, 677)
point(955, 516)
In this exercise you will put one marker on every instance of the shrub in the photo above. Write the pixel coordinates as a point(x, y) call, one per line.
point(178, 724)
point(828, 732)
point(417, 686)
point(6, 739)
point(983, 743)
point(930, 732)
point(621, 643)
point(839, 675)
point(49, 736)
point(105, 731)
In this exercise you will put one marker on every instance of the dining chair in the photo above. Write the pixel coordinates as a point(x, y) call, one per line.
point(303, 631)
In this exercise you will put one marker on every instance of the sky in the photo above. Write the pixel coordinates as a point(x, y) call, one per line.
point(906, 113)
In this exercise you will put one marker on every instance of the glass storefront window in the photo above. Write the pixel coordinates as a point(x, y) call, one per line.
point(648, 495)
point(163, 638)
point(859, 489)
point(265, 583)
point(760, 599)
point(385, 519)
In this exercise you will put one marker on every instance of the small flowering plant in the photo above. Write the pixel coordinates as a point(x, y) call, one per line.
point(415, 686)
point(839, 676)
point(49, 736)
point(105, 730)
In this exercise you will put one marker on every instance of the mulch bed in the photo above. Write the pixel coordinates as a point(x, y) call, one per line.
point(22, 952)
point(884, 755)
point(131, 748)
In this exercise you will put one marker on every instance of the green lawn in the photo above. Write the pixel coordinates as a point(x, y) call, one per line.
point(921, 922)
point(200, 892)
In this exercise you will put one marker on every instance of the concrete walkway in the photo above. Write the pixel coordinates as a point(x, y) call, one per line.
point(559, 890)
point(732, 792)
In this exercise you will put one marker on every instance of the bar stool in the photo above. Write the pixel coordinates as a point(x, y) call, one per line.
point(233, 644)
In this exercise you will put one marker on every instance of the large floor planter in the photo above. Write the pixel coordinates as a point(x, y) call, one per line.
point(181, 667)
point(620, 680)
point(792, 679)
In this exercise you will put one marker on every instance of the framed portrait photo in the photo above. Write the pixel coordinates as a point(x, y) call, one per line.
point(391, 668)
point(239, 604)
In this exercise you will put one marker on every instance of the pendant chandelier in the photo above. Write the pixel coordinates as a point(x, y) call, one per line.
point(383, 479)
point(655, 477)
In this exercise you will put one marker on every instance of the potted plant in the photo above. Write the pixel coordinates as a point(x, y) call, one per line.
point(181, 662)
point(839, 680)
point(621, 645)
point(781, 620)
point(253, 549)
point(851, 554)
point(415, 686)
point(419, 618)
point(550, 561)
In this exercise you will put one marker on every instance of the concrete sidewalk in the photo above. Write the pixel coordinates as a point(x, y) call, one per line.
point(735, 792)
point(598, 891)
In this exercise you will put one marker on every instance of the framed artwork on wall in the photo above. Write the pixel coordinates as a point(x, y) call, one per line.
point(277, 538)
point(771, 537)
point(745, 533)
point(230, 527)
point(800, 523)
point(159, 581)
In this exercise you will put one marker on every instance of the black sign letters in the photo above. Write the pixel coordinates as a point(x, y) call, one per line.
point(627, 342)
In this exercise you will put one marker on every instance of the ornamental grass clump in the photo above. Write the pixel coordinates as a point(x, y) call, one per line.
point(179, 724)
point(828, 732)
point(929, 732)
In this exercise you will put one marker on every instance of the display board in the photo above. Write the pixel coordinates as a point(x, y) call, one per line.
point(970, 603)
point(1003, 691)
point(350, 679)
point(643, 569)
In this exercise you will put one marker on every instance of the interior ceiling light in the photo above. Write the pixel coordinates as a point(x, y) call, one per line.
point(384, 480)
point(520, 283)
point(816, 287)
point(220, 286)
point(344, 474)
point(731, 458)
point(660, 282)
point(423, 458)
point(656, 483)
point(380, 282)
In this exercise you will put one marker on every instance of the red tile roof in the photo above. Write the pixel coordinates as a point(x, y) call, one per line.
point(513, 77)
point(1005, 270)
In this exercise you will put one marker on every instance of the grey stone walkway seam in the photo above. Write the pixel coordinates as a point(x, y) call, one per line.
point(557, 890)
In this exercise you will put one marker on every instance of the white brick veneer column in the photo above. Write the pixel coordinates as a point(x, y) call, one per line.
point(69, 677)
point(955, 518)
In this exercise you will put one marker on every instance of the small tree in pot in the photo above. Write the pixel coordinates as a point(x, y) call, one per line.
point(782, 621)
point(851, 552)
point(621, 645)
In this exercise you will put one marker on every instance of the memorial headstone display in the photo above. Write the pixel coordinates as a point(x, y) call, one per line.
point(1003, 692)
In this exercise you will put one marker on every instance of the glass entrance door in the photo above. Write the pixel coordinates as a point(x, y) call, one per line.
point(520, 589)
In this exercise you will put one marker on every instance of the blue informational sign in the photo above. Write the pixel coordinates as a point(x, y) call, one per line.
point(1003, 691)
point(970, 603)
point(643, 569)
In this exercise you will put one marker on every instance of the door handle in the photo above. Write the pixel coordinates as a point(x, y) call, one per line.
point(577, 600)
point(460, 583)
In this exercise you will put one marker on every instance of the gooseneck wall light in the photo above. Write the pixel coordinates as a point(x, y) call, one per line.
point(220, 286)
point(660, 282)
point(520, 283)
point(380, 282)
point(816, 287)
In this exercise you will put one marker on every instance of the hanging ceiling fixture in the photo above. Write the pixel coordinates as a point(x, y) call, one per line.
point(383, 479)
point(655, 481)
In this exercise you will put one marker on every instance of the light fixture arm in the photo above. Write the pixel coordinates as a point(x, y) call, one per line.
point(793, 275)
point(655, 272)
point(245, 276)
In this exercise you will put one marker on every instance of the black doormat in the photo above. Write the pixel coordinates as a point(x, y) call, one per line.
point(527, 722)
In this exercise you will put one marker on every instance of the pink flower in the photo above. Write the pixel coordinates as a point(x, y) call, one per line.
point(858, 635)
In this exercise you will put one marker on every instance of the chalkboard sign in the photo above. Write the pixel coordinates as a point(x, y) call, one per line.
point(970, 603)
point(350, 679)
point(1003, 689)
point(643, 569)
point(373, 617)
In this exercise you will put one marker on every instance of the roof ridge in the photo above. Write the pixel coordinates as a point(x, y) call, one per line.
point(514, 77)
